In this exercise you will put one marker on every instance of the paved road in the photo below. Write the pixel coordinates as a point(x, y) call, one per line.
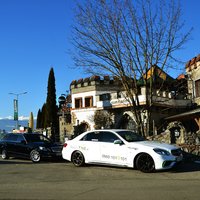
point(21, 179)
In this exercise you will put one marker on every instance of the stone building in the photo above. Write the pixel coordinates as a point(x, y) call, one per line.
point(89, 95)
point(193, 73)
point(189, 122)
point(65, 124)
point(193, 85)
point(176, 108)
point(106, 93)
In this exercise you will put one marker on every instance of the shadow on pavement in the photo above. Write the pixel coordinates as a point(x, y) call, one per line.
point(28, 162)
point(186, 167)
point(190, 163)
point(10, 161)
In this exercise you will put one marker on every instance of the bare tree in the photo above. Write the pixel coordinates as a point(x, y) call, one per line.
point(102, 118)
point(125, 38)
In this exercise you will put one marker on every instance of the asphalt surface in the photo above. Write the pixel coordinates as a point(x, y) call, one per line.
point(21, 179)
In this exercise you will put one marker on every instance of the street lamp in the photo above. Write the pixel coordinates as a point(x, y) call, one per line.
point(16, 106)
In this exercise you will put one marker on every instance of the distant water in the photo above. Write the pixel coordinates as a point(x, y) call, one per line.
point(9, 124)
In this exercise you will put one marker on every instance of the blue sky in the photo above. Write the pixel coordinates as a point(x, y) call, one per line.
point(34, 36)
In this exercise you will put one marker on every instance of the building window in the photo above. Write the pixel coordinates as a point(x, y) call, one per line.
point(105, 97)
point(197, 88)
point(78, 103)
point(88, 101)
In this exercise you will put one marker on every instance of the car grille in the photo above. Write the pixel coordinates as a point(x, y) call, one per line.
point(176, 152)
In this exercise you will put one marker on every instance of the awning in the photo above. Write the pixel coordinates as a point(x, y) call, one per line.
point(186, 115)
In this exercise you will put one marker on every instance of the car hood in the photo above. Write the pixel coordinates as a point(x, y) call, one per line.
point(152, 145)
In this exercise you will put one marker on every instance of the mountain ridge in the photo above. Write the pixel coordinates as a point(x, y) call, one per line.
point(10, 124)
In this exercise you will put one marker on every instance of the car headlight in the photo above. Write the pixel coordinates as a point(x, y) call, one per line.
point(43, 148)
point(162, 152)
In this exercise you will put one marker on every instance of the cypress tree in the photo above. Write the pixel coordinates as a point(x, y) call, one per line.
point(51, 107)
point(43, 116)
point(31, 122)
point(39, 118)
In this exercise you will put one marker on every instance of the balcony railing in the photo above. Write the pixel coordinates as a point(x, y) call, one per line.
point(157, 100)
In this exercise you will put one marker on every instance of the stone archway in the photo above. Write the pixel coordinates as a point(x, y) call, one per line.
point(177, 132)
point(127, 122)
point(84, 126)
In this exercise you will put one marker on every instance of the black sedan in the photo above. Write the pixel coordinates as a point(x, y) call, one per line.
point(29, 145)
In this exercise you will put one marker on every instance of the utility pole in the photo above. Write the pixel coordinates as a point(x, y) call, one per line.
point(16, 106)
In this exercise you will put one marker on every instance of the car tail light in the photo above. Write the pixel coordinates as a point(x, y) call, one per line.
point(65, 145)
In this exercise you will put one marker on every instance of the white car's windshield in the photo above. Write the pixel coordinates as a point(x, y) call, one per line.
point(130, 136)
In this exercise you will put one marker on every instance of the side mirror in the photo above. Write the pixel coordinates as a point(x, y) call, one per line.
point(118, 142)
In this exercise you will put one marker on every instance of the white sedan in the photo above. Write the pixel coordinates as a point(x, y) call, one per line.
point(120, 148)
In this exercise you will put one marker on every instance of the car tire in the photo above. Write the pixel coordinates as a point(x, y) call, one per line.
point(145, 163)
point(35, 156)
point(4, 154)
point(78, 159)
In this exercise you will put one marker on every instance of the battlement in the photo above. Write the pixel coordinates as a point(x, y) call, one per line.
point(193, 63)
point(94, 80)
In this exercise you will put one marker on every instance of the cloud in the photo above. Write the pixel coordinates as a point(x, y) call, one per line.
point(11, 118)
point(23, 118)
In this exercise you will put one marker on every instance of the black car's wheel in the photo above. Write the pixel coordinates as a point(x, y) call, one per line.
point(35, 156)
point(78, 159)
point(4, 154)
point(145, 163)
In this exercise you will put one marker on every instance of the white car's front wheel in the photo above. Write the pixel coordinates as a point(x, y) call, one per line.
point(145, 163)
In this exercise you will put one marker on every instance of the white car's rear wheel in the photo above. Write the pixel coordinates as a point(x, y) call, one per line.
point(145, 163)
point(78, 159)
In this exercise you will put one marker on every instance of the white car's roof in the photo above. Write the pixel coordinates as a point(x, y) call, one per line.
point(101, 130)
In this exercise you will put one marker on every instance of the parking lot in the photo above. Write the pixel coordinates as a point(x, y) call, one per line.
point(21, 179)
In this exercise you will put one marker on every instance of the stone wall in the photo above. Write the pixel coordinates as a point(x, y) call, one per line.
point(192, 143)
point(193, 149)
point(189, 142)
point(163, 137)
